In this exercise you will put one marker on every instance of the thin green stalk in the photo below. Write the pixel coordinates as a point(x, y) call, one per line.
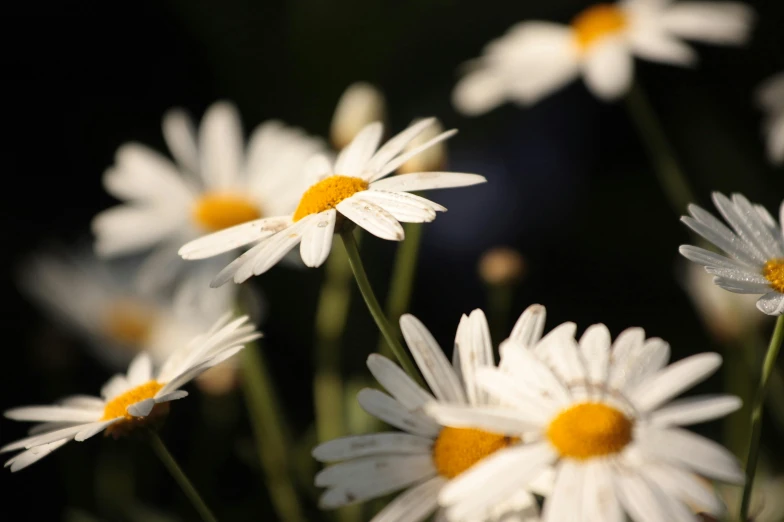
point(668, 172)
point(331, 314)
point(375, 309)
point(499, 303)
point(756, 415)
point(402, 282)
point(176, 472)
point(270, 433)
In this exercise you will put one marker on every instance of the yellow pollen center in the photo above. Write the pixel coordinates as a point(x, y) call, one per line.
point(774, 272)
point(327, 193)
point(596, 22)
point(129, 323)
point(588, 430)
point(457, 449)
point(117, 407)
point(216, 211)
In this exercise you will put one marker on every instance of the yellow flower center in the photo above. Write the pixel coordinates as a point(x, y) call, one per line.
point(216, 211)
point(597, 22)
point(118, 407)
point(588, 430)
point(327, 193)
point(129, 322)
point(774, 272)
point(457, 449)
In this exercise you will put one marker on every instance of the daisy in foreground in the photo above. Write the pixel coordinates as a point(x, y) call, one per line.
point(426, 456)
point(535, 59)
point(755, 247)
point(597, 414)
point(214, 184)
point(136, 400)
point(352, 188)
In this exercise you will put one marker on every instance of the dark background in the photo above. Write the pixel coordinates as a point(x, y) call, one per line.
point(569, 186)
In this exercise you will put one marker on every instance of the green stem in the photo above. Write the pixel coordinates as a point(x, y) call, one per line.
point(671, 177)
point(756, 414)
point(176, 472)
point(331, 314)
point(499, 303)
point(375, 309)
point(403, 274)
point(269, 432)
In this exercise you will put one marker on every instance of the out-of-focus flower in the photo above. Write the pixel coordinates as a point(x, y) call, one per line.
point(767, 499)
point(726, 315)
point(756, 249)
point(360, 104)
point(427, 455)
point(770, 97)
point(536, 58)
point(433, 158)
point(351, 188)
point(598, 414)
point(128, 402)
point(501, 266)
point(214, 184)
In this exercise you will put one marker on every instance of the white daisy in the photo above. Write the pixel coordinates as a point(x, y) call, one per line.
point(214, 184)
point(770, 97)
point(536, 58)
point(597, 414)
point(426, 456)
point(353, 188)
point(755, 247)
point(135, 400)
point(99, 301)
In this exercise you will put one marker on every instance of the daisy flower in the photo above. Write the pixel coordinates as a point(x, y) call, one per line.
point(213, 184)
point(755, 247)
point(597, 414)
point(536, 58)
point(426, 456)
point(770, 96)
point(99, 301)
point(352, 188)
point(137, 399)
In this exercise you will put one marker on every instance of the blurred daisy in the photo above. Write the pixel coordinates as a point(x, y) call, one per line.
point(536, 58)
point(770, 96)
point(214, 184)
point(426, 456)
point(755, 246)
point(351, 188)
point(361, 103)
point(100, 302)
point(597, 414)
point(135, 400)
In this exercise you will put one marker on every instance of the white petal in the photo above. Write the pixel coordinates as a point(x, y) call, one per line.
point(431, 361)
point(317, 238)
point(82, 401)
point(565, 503)
point(387, 409)
point(686, 486)
point(115, 386)
point(371, 217)
point(397, 382)
point(170, 396)
point(600, 501)
point(771, 303)
point(674, 379)
point(655, 44)
point(414, 505)
point(373, 444)
point(93, 429)
point(404, 207)
point(45, 438)
point(33, 455)
point(401, 159)
point(712, 22)
point(697, 453)
point(140, 369)
point(352, 161)
point(397, 143)
point(529, 327)
point(317, 168)
point(595, 350)
point(479, 91)
point(142, 174)
point(747, 224)
point(694, 410)
point(532, 372)
point(141, 408)
point(221, 146)
point(180, 135)
point(427, 181)
point(476, 351)
point(125, 228)
point(233, 237)
point(609, 68)
point(494, 419)
point(513, 393)
point(706, 225)
point(707, 258)
point(645, 501)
